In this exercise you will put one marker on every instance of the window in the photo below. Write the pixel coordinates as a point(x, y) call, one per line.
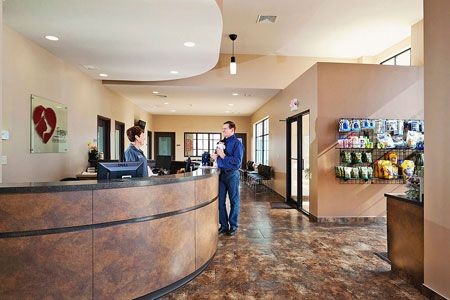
point(262, 142)
point(401, 59)
point(195, 143)
point(103, 137)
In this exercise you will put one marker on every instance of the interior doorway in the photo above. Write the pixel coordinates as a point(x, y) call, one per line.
point(165, 144)
point(243, 138)
point(297, 161)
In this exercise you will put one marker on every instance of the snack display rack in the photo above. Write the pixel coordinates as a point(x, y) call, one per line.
point(366, 151)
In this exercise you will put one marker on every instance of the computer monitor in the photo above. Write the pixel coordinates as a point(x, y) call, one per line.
point(114, 170)
point(163, 161)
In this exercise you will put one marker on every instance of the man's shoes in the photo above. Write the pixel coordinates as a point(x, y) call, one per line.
point(232, 232)
point(223, 231)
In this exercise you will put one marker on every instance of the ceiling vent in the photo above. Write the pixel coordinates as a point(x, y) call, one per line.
point(162, 96)
point(90, 67)
point(266, 19)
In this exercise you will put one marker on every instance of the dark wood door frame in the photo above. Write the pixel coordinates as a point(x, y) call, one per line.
point(164, 134)
point(243, 136)
point(296, 118)
point(121, 127)
point(107, 141)
point(149, 144)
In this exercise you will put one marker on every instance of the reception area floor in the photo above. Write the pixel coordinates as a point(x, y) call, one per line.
point(279, 254)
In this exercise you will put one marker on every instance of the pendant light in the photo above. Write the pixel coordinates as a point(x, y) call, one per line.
point(233, 65)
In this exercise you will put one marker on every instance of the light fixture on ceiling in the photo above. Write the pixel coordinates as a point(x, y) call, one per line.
point(235, 94)
point(166, 103)
point(174, 72)
point(230, 104)
point(233, 65)
point(189, 44)
point(155, 92)
point(103, 75)
point(173, 110)
point(52, 38)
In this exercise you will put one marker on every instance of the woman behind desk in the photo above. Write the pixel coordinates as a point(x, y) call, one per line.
point(134, 153)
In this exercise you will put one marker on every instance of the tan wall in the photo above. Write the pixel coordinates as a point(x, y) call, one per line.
point(437, 170)
point(417, 44)
point(1, 85)
point(304, 89)
point(30, 69)
point(182, 124)
point(362, 91)
point(331, 91)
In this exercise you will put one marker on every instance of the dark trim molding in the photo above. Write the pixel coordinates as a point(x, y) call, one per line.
point(176, 285)
point(14, 234)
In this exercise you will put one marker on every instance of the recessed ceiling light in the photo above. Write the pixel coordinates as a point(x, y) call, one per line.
point(52, 38)
point(173, 72)
point(155, 92)
point(230, 104)
point(189, 44)
point(227, 111)
point(103, 75)
point(166, 103)
point(173, 110)
point(235, 94)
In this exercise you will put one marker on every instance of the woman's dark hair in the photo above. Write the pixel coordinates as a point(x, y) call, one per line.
point(133, 131)
point(231, 125)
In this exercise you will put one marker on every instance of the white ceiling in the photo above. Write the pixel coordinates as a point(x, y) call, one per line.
point(319, 28)
point(195, 100)
point(126, 39)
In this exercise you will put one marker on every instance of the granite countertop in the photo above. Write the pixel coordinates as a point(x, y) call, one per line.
point(402, 197)
point(82, 185)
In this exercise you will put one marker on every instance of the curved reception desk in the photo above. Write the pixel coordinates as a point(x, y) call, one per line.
point(106, 240)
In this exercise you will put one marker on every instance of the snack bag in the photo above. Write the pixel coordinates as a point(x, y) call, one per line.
point(380, 169)
point(388, 172)
point(363, 173)
point(414, 137)
point(356, 125)
point(346, 157)
point(347, 173)
point(395, 172)
point(393, 158)
point(357, 157)
point(369, 172)
point(386, 140)
point(344, 125)
point(367, 157)
point(355, 173)
point(407, 169)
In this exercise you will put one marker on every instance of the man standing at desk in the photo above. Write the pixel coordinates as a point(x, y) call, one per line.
point(229, 161)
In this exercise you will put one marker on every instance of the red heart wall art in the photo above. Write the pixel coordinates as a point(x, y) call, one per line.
point(44, 122)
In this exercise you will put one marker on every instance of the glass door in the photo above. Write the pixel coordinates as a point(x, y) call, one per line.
point(165, 144)
point(297, 161)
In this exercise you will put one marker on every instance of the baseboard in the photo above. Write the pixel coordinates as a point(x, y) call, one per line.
point(348, 220)
point(431, 294)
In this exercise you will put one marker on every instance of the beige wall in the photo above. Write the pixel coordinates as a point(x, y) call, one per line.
point(30, 69)
point(387, 53)
point(417, 44)
point(331, 91)
point(437, 170)
point(182, 124)
point(1, 85)
point(362, 91)
point(304, 89)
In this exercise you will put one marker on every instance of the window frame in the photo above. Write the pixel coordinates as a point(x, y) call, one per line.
point(196, 141)
point(395, 57)
point(264, 148)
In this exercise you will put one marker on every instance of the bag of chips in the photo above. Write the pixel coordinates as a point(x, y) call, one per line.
point(395, 172)
point(393, 157)
point(385, 140)
point(369, 172)
point(346, 157)
point(347, 173)
point(355, 173)
point(407, 169)
point(388, 172)
point(367, 157)
point(357, 157)
point(363, 173)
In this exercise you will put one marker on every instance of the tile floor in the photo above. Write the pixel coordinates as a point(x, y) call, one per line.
point(279, 254)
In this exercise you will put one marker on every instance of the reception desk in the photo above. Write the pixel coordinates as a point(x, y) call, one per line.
point(102, 240)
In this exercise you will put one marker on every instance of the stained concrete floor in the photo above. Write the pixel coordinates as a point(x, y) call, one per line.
point(280, 254)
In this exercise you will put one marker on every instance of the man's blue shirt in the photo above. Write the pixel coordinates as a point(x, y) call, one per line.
point(134, 154)
point(234, 150)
